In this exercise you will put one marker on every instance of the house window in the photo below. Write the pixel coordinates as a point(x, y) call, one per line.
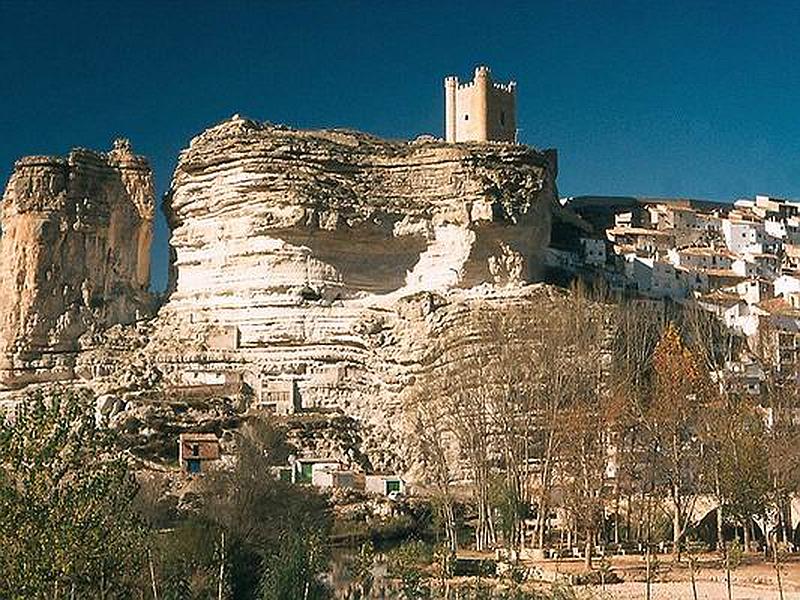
point(392, 486)
point(193, 465)
point(195, 449)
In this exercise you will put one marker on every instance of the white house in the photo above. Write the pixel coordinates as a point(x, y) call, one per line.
point(742, 236)
point(384, 484)
point(776, 228)
point(727, 305)
point(303, 469)
point(791, 258)
point(788, 287)
point(753, 291)
point(667, 281)
point(333, 478)
point(640, 271)
point(703, 258)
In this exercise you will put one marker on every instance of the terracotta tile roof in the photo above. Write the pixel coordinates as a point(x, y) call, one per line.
point(199, 437)
point(637, 231)
point(721, 298)
point(723, 273)
point(778, 306)
point(706, 251)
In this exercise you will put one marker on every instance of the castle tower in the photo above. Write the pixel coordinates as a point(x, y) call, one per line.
point(480, 110)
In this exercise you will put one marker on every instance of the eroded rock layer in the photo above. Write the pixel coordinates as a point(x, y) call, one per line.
point(315, 271)
point(326, 261)
point(74, 255)
point(264, 218)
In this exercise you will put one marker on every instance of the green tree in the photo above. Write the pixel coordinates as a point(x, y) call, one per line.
point(268, 524)
point(292, 571)
point(67, 526)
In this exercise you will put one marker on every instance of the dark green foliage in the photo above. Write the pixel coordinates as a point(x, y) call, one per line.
point(510, 508)
point(67, 527)
point(186, 560)
point(292, 570)
point(407, 563)
point(269, 524)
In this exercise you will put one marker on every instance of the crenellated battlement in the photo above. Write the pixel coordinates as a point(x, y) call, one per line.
point(509, 87)
point(480, 110)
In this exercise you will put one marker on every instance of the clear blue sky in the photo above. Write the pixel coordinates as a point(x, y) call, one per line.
point(640, 98)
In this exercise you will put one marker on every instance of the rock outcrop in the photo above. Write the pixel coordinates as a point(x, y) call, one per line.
point(74, 255)
point(263, 215)
point(328, 259)
point(310, 270)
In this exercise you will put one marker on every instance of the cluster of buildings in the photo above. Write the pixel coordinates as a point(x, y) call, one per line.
point(740, 261)
point(200, 452)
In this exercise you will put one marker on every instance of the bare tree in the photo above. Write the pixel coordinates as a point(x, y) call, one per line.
point(680, 392)
point(432, 442)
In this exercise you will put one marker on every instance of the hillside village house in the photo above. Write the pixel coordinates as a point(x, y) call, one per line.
point(334, 479)
point(303, 469)
point(593, 251)
point(788, 287)
point(197, 450)
point(791, 258)
point(330, 473)
point(275, 396)
point(385, 485)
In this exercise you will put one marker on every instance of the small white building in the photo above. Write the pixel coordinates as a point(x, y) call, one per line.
point(303, 469)
point(276, 396)
point(748, 373)
point(788, 287)
point(776, 228)
point(333, 478)
point(624, 219)
point(680, 217)
point(743, 236)
point(791, 258)
point(640, 271)
point(702, 258)
point(754, 290)
point(384, 484)
point(668, 281)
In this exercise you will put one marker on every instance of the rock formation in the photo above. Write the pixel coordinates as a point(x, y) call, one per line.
point(74, 255)
point(329, 258)
point(321, 268)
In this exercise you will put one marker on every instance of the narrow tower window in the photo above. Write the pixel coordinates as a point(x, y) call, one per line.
point(466, 117)
point(502, 117)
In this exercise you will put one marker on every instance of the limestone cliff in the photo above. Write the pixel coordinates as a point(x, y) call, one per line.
point(330, 258)
point(319, 266)
point(264, 218)
point(74, 255)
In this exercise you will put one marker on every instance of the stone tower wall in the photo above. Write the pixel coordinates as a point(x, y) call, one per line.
point(480, 110)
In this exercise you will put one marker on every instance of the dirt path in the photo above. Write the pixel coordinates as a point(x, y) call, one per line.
point(706, 590)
